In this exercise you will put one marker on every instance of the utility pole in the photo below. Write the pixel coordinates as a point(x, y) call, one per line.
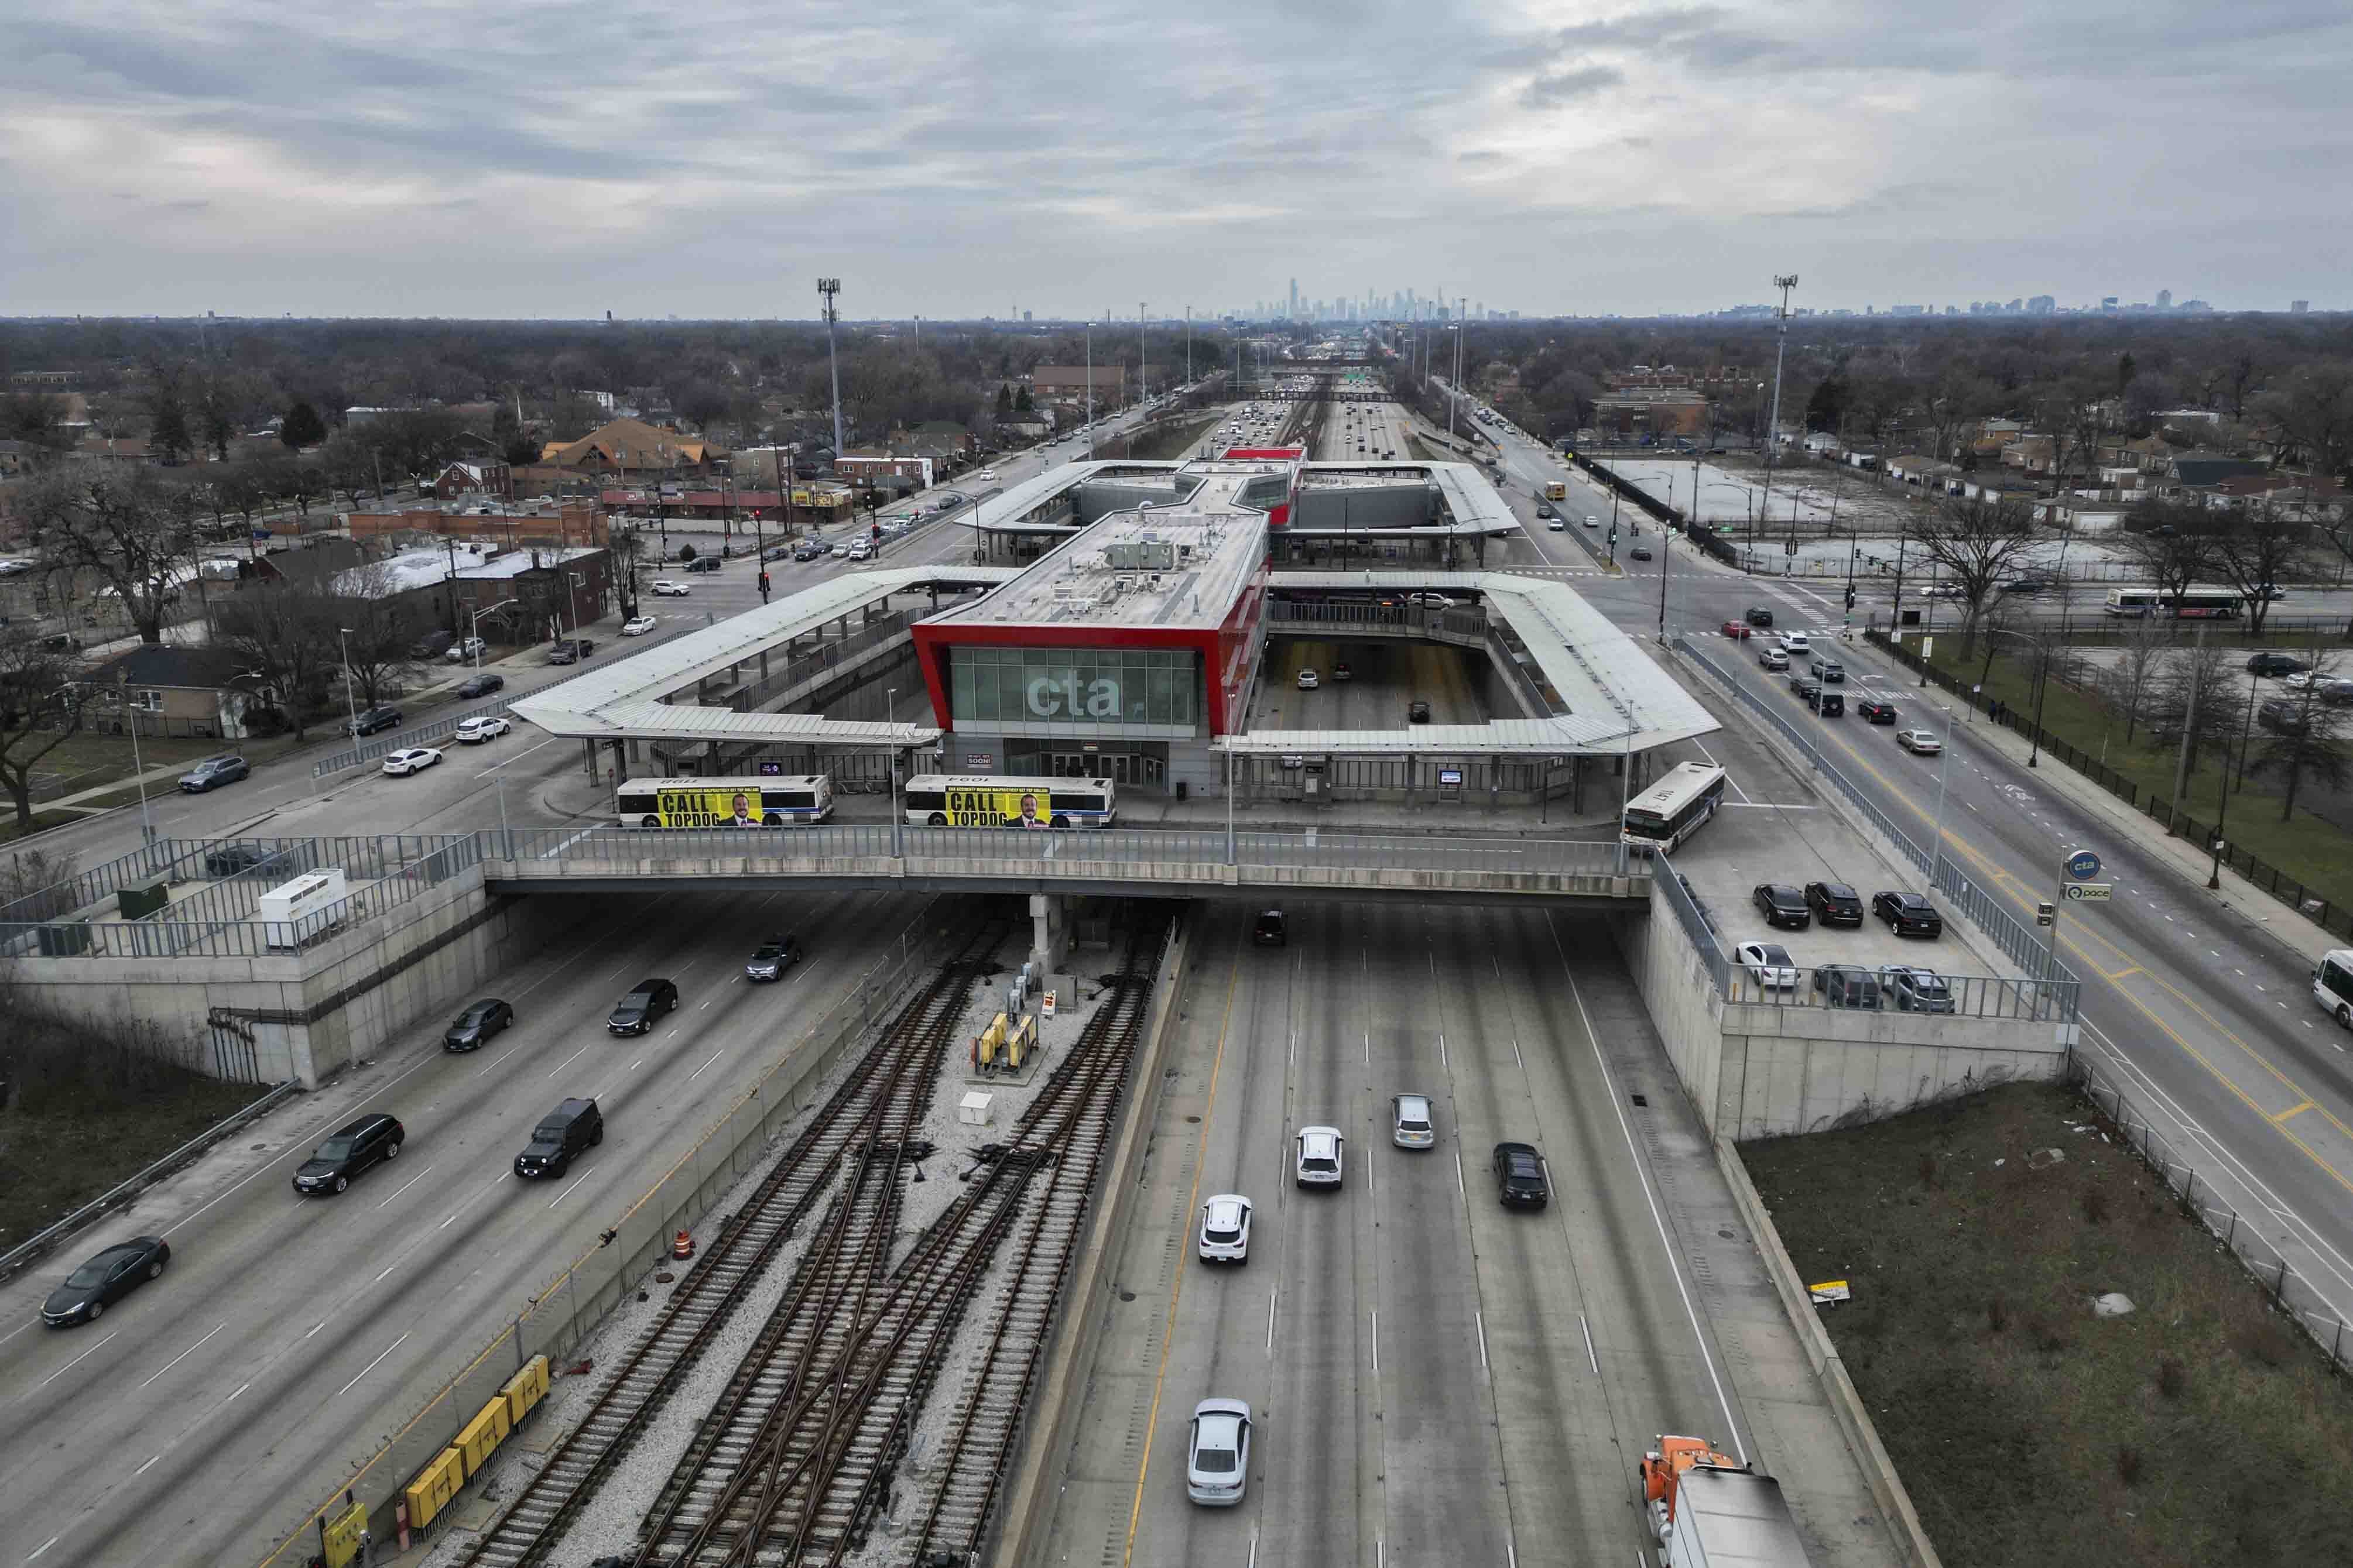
point(1140, 387)
point(826, 289)
point(2189, 718)
point(1773, 419)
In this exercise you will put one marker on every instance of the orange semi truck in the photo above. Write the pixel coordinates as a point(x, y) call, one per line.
point(1707, 1510)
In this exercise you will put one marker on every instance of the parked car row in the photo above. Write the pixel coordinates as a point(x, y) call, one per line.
point(1790, 908)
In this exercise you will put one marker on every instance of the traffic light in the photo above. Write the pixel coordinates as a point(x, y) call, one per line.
point(1850, 598)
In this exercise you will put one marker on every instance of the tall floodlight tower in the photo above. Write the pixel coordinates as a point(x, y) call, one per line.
point(1773, 420)
point(827, 287)
point(1141, 389)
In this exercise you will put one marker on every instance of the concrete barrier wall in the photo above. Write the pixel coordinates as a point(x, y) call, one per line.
point(1756, 1070)
point(1846, 1405)
point(571, 1306)
point(1029, 1502)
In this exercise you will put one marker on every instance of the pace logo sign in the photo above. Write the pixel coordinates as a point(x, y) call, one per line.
point(1062, 695)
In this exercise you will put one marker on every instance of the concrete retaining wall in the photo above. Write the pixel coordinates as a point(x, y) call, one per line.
point(1754, 1071)
point(1029, 1502)
point(311, 1014)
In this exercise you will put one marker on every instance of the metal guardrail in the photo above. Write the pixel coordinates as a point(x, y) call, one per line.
point(2016, 940)
point(1679, 896)
point(38, 1245)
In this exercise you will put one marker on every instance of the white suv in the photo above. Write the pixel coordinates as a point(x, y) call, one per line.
point(1225, 1229)
point(1795, 642)
point(1321, 1151)
point(1411, 1125)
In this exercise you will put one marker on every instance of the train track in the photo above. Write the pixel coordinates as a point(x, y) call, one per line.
point(801, 1456)
point(852, 1120)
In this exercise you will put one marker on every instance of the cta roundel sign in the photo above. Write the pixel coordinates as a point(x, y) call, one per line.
point(2083, 864)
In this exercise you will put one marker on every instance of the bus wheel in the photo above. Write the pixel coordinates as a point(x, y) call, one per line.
point(938, 819)
point(1058, 820)
point(649, 822)
point(2344, 1016)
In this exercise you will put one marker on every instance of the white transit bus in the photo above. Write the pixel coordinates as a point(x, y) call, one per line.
point(2195, 604)
point(991, 800)
point(2331, 985)
point(770, 802)
point(1670, 811)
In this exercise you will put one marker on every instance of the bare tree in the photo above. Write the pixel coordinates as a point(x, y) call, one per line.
point(42, 696)
point(2127, 680)
point(2196, 696)
point(2259, 548)
point(1978, 543)
point(125, 526)
point(2173, 541)
point(285, 632)
point(374, 627)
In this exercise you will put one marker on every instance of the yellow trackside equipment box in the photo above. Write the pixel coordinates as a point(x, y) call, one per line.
point(434, 1486)
point(341, 1532)
point(525, 1389)
point(482, 1436)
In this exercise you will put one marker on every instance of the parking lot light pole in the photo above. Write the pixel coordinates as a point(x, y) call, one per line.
point(350, 703)
point(138, 766)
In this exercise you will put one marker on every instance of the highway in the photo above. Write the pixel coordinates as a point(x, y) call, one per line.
point(1434, 1378)
point(2205, 1015)
point(208, 1413)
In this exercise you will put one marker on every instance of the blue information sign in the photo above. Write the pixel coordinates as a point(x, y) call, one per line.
point(2083, 864)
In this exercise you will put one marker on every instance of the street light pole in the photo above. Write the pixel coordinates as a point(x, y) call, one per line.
point(826, 289)
point(138, 766)
point(1091, 392)
point(1666, 562)
point(351, 700)
point(898, 821)
point(1773, 419)
point(2222, 806)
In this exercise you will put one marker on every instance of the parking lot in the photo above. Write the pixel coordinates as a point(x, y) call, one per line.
point(1385, 679)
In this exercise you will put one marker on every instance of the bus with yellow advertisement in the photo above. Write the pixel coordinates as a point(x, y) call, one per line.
point(991, 800)
point(762, 802)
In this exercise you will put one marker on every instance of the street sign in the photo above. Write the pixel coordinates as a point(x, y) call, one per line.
point(2045, 913)
point(2083, 864)
point(2089, 893)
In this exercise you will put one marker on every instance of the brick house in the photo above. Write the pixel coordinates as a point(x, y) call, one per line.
point(1069, 382)
point(489, 479)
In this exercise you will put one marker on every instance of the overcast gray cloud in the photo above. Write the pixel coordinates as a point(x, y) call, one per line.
point(563, 159)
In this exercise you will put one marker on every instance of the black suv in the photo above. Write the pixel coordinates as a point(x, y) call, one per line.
point(1908, 914)
point(1878, 709)
point(563, 1134)
point(375, 719)
point(2282, 715)
point(809, 550)
point(703, 563)
point(1834, 903)
point(1781, 905)
point(1847, 985)
point(648, 1000)
point(477, 1024)
point(2276, 664)
point(1268, 929)
point(1519, 1179)
point(1829, 704)
point(1758, 615)
point(353, 1149)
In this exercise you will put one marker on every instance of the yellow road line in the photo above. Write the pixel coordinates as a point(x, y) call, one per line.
point(2128, 973)
point(1168, 1335)
point(2009, 885)
point(2291, 1110)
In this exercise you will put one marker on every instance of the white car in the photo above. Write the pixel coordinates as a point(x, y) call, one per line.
point(841, 552)
point(986, 474)
point(482, 727)
point(1919, 742)
point(637, 626)
point(1770, 962)
point(1557, 524)
point(1429, 601)
point(1593, 522)
point(862, 550)
point(1411, 1125)
point(1216, 1453)
point(1796, 643)
point(410, 760)
point(1309, 681)
point(464, 649)
point(1321, 1153)
point(1225, 1229)
point(667, 588)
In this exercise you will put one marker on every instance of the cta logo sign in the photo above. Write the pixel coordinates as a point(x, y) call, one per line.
point(1062, 695)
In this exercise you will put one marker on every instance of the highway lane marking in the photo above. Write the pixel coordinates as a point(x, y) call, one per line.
point(322, 1322)
point(1441, 1048)
point(1376, 1341)
point(1479, 1319)
point(145, 1468)
point(636, 1065)
point(78, 1359)
point(2128, 973)
point(1177, 1287)
point(569, 1060)
point(387, 1269)
point(1591, 1359)
point(182, 1356)
point(698, 1072)
point(1642, 1175)
point(1270, 1300)
point(364, 1370)
point(44, 1546)
point(409, 1183)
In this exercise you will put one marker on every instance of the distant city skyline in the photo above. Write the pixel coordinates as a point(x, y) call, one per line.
point(1654, 159)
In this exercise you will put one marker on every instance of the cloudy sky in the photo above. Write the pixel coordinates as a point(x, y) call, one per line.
point(432, 158)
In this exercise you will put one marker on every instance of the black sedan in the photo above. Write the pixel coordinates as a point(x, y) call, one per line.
point(481, 685)
point(363, 1145)
point(105, 1279)
point(234, 859)
point(1908, 914)
point(1268, 931)
point(648, 1000)
point(1521, 1180)
point(477, 1024)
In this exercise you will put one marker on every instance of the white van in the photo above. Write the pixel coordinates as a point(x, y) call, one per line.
point(2331, 985)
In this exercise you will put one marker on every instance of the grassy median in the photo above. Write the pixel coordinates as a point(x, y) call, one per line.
point(2199, 1430)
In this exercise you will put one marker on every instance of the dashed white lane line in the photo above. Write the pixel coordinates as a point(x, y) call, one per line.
point(78, 1359)
point(1591, 1359)
point(364, 1370)
point(1480, 1320)
point(698, 1072)
point(182, 1356)
point(569, 1060)
point(406, 1184)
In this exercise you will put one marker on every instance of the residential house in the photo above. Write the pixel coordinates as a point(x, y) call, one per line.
point(460, 481)
point(2298, 496)
point(2191, 474)
point(634, 447)
point(167, 689)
